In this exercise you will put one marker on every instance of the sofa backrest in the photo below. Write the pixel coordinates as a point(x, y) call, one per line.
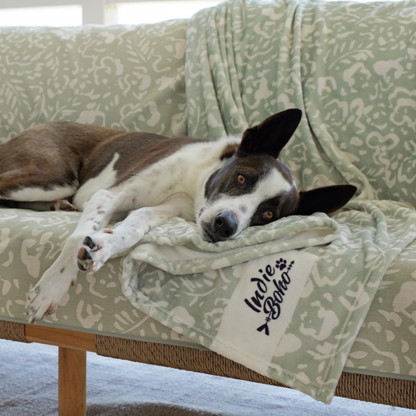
point(124, 77)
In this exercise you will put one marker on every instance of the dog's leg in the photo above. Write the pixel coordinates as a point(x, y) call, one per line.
point(44, 298)
point(99, 247)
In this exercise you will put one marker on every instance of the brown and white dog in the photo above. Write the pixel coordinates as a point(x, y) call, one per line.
point(226, 186)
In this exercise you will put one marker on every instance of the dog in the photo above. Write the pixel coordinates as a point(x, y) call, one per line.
point(225, 186)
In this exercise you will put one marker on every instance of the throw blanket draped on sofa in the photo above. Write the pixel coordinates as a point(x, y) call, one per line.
point(288, 299)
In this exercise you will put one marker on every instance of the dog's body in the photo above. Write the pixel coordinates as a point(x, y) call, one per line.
point(225, 186)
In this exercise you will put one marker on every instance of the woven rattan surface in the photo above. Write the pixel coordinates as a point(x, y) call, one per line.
point(374, 389)
point(12, 331)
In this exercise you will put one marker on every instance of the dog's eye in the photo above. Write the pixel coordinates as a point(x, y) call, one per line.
point(268, 215)
point(241, 179)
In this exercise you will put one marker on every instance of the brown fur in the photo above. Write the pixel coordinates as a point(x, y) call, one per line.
point(128, 146)
point(64, 153)
point(41, 157)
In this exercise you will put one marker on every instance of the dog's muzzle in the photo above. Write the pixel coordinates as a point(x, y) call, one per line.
point(222, 227)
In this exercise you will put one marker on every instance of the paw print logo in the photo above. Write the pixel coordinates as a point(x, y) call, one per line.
point(281, 264)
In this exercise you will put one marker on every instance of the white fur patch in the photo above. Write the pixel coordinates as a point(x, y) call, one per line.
point(184, 172)
point(104, 180)
point(40, 194)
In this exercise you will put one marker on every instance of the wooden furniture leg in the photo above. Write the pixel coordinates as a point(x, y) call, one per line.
point(72, 382)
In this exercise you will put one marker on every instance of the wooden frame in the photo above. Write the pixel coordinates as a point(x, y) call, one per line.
point(72, 375)
point(73, 346)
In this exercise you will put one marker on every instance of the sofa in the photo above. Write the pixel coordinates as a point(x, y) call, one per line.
point(350, 68)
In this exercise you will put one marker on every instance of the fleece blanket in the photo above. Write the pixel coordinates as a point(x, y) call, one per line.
point(287, 300)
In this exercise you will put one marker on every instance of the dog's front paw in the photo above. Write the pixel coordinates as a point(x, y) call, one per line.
point(94, 252)
point(44, 298)
point(38, 306)
point(40, 303)
point(63, 205)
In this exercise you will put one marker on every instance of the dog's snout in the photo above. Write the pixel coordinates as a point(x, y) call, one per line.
point(225, 224)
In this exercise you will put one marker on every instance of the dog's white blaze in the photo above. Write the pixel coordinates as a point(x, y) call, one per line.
point(39, 194)
point(273, 184)
point(270, 186)
point(104, 180)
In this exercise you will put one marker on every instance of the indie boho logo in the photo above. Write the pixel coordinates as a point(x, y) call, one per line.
point(270, 305)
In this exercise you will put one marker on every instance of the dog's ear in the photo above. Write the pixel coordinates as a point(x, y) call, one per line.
point(327, 199)
point(271, 135)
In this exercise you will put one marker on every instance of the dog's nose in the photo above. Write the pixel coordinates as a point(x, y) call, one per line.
point(225, 224)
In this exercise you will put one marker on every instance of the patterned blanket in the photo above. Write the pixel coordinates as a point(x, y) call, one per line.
point(287, 300)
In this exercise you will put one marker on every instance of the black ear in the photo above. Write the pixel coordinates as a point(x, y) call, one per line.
point(327, 199)
point(271, 135)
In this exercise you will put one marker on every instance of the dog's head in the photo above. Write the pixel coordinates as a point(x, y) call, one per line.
point(255, 188)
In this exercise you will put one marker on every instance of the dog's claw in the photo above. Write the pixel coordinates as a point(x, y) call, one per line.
point(31, 312)
point(51, 309)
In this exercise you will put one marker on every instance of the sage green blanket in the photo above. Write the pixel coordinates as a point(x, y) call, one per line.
point(288, 299)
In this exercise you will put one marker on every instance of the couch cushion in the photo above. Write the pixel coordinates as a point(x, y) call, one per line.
point(29, 244)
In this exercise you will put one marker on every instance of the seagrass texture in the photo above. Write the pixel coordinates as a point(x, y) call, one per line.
point(383, 390)
point(184, 358)
point(12, 331)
